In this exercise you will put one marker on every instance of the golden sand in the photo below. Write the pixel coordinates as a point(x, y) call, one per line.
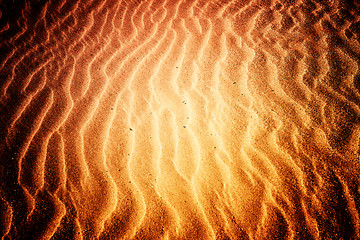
point(189, 119)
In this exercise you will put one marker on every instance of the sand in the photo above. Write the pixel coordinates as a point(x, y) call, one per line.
point(192, 119)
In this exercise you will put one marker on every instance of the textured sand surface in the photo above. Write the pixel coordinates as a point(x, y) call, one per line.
point(179, 119)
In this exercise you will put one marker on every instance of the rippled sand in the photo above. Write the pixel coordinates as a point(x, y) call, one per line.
point(192, 119)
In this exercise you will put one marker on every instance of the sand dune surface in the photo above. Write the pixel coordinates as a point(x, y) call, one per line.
point(179, 119)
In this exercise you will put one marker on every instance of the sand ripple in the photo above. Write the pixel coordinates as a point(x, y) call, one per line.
point(188, 119)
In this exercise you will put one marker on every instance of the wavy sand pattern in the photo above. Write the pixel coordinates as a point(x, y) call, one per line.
point(179, 119)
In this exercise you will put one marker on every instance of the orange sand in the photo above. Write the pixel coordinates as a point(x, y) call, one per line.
point(189, 119)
